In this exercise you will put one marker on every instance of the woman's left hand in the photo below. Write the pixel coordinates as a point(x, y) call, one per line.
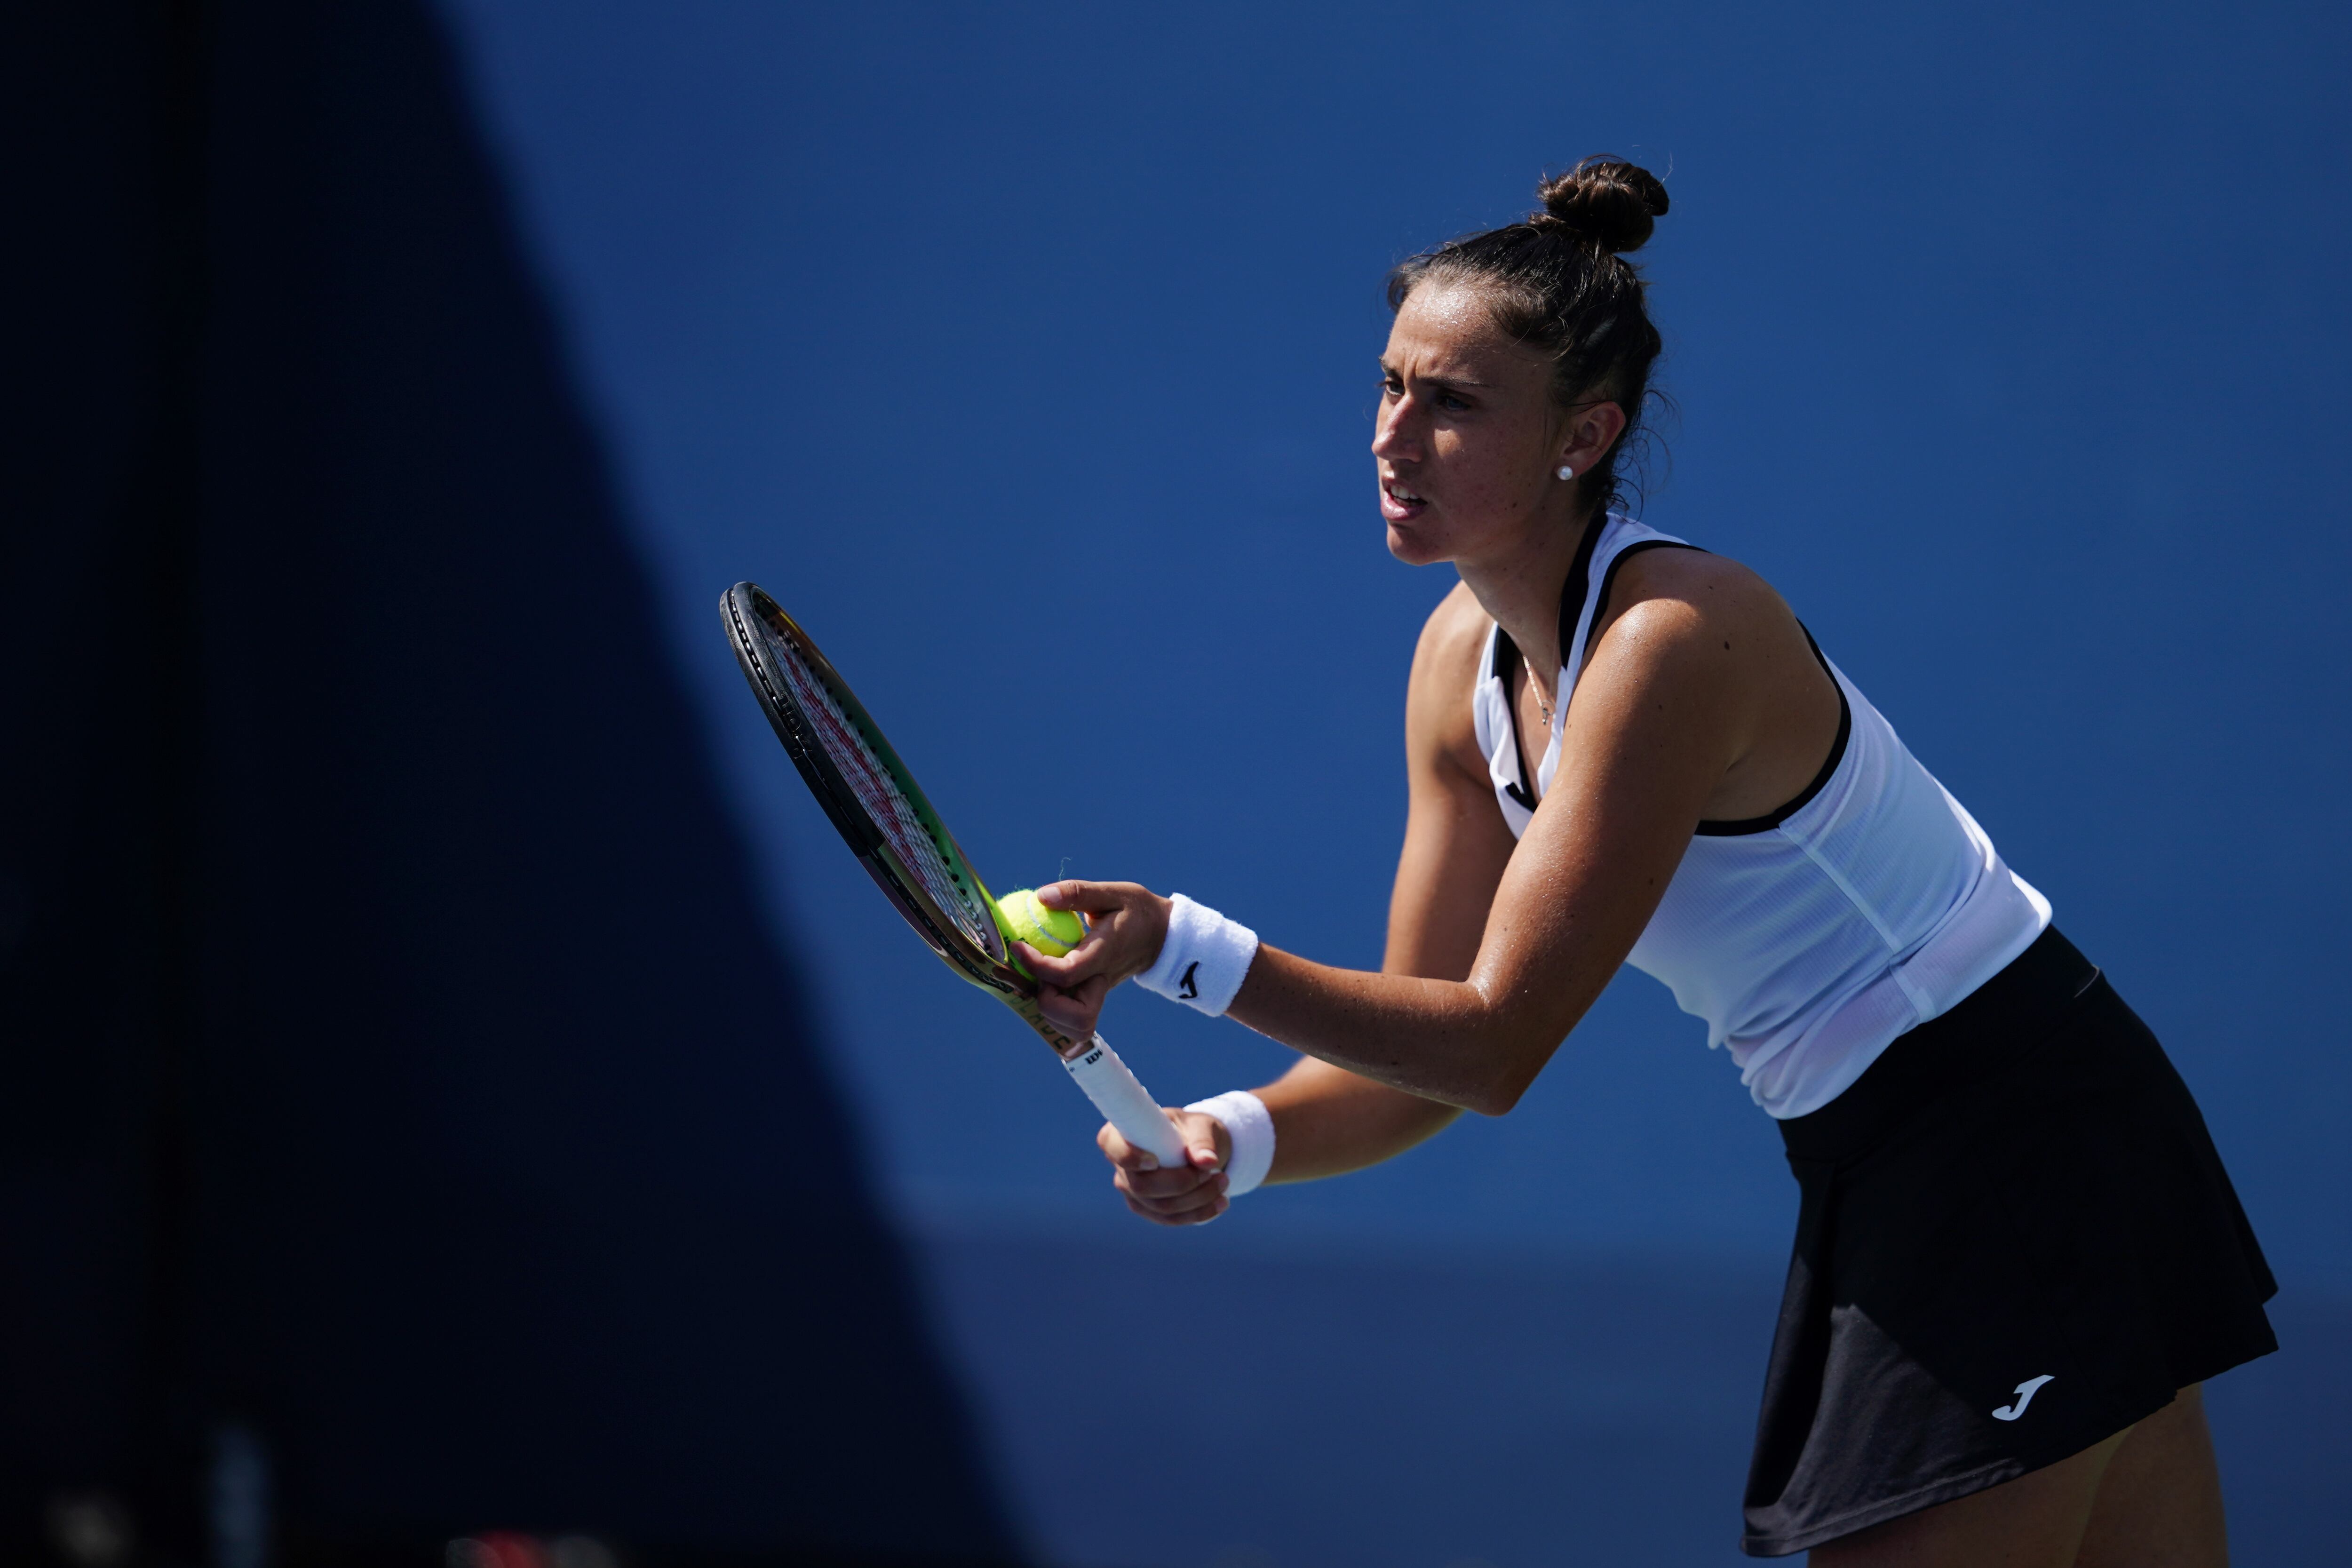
point(1126, 925)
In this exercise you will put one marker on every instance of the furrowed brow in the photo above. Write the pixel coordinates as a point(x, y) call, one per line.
point(1462, 382)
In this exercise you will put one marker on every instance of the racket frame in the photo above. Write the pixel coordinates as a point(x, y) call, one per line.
point(745, 606)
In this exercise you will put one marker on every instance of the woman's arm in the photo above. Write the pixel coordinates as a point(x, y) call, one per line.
point(1663, 712)
point(1327, 1119)
point(1645, 744)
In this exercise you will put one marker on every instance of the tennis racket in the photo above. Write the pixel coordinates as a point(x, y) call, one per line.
point(889, 822)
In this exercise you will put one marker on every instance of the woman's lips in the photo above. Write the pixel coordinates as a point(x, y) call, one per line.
point(1398, 502)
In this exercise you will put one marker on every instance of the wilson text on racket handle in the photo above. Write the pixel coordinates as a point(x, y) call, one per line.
point(1125, 1104)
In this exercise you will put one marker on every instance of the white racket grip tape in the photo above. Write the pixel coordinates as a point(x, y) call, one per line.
point(1125, 1104)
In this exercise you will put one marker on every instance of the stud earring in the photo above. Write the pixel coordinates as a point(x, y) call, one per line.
point(1567, 471)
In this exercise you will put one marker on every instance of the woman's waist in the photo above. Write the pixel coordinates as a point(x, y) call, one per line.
point(1794, 978)
point(1996, 1025)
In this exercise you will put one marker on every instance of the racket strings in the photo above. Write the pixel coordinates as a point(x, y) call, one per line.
point(886, 803)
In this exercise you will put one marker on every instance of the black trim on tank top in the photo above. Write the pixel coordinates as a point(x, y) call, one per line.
point(1505, 664)
point(1820, 780)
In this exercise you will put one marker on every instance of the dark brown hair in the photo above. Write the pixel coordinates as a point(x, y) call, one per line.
point(1558, 281)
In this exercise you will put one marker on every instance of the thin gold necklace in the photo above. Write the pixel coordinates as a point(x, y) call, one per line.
point(1535, 689)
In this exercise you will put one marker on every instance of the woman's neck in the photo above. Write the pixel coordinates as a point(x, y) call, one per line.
point(1520, 587)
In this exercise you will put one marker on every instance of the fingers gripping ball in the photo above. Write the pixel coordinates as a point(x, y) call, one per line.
point(1051, 931)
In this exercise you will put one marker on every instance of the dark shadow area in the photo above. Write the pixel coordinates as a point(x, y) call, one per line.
point(410, 1129)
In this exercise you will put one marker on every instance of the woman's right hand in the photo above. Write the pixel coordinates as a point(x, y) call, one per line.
point(1193, 1193)
point(1125, 923)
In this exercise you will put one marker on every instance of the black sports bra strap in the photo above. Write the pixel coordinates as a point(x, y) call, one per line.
point(1580, 580)
point(1508, 657)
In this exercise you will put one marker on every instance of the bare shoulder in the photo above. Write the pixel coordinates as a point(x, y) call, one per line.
point(1438, 718)
point(1705, 647)
point(1709, 639)
point(1664, 599)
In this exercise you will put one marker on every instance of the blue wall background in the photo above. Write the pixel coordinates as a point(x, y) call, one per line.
point(1025, 354)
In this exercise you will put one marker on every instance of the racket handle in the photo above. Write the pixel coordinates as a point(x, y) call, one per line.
point(1124, 1102)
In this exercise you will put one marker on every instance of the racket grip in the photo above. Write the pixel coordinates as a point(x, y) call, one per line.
point(1124, 1102)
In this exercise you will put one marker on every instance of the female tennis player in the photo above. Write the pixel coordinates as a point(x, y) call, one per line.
point(2017, 1253)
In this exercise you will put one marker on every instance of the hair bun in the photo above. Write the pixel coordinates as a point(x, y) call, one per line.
point(1611, 202)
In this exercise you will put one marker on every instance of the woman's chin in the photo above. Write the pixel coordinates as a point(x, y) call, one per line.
point(1413, 548)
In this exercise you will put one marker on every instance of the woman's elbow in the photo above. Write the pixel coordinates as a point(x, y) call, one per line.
point(1494, 1099)
point(1500, 1092)
point(1511, 1070)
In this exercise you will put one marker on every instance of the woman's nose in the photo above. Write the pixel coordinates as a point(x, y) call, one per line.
point(1390, 437)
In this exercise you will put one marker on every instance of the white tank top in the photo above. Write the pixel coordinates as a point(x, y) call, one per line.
point(1808, 939)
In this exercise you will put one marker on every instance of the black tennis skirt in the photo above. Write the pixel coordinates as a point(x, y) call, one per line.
point(2015, 1239)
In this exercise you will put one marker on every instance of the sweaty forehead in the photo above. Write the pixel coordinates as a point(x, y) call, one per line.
point(1447, 331)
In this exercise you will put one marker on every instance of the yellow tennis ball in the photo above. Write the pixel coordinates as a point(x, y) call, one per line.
point(1051, 931)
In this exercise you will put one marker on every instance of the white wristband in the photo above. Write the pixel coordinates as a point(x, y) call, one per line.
point(1250, 1130)
point(1204, 958)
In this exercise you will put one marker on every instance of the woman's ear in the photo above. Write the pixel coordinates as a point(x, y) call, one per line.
point(1591, 432)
